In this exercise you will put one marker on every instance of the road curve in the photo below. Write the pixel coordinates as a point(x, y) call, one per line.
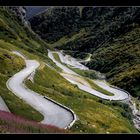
point(64, 68)
point(67, 59)
point(87, 59)
point(118, 94)
point(54, 114)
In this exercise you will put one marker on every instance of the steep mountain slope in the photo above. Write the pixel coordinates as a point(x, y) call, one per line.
point(60, 22)
point(95, 115)
point(15, 36)
point(110, 34)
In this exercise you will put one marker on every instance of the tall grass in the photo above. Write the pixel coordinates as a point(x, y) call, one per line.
point(10, 123)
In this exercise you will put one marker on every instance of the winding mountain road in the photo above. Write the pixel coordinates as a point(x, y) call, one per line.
point(54, 114)
point(71, 77)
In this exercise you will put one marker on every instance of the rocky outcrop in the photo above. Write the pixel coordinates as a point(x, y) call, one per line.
point(20, 13)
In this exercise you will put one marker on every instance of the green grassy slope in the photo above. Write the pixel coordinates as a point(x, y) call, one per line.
point(94, 116)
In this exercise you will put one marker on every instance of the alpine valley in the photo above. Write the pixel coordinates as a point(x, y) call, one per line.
point(69, 69)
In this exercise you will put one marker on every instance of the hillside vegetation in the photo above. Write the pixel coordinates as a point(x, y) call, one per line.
point(110, 34)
